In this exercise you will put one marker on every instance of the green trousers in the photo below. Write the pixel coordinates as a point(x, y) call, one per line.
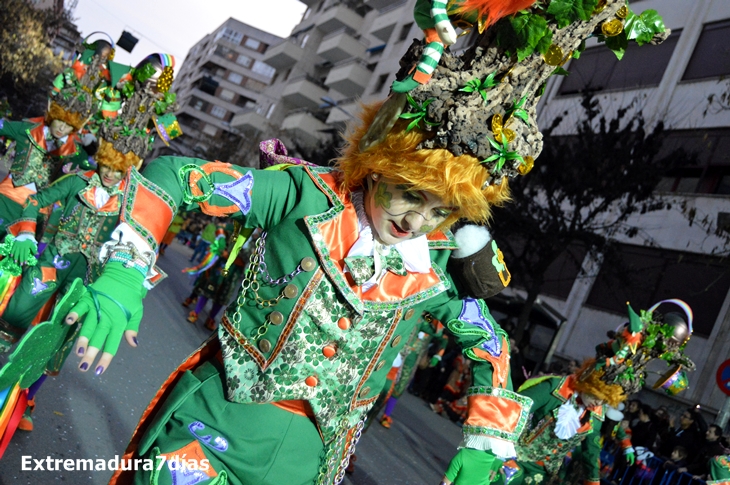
point(255, 444)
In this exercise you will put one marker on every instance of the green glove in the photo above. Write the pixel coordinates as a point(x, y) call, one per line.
point(112, 305)
point(630, 457)
point(22, 251)
point(435, 361)
point(473, 467)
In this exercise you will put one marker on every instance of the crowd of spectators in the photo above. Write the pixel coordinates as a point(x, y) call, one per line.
point(666, 442)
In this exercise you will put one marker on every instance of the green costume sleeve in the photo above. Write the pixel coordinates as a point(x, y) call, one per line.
point(496, 414)
point(14, 130)
point(64, 189)
point(258, 198)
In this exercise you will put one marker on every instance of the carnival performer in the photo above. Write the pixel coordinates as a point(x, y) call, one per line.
point(213, 282)
point(90, 206)
point(568, 412)
point(42, 147)
point(371, 249)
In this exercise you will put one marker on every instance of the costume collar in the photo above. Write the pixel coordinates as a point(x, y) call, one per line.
point(566, 390)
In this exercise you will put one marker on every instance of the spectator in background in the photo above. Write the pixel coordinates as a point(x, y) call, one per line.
point(710, 448)
point(686, 435)
point(677, 459)
point(632, 413)
point(644, 432)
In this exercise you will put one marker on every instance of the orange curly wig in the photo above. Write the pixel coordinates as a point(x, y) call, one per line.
point(458, 181)
point(56, 112)
point(589, 381)
point(108, 156)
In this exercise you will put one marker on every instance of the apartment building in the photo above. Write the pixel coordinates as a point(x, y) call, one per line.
point(341, 52)
point(681, 83)
point(221, 75)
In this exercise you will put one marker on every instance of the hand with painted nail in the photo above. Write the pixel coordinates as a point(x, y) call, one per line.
point(111, 309)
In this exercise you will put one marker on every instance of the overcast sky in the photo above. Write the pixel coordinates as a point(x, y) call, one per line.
point(174, 27)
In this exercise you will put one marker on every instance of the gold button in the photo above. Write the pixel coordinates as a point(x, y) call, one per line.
point(329, 350)
point(395, 341)
point(291, 291)
point(308, 264)
point(344, 323)
point(379, 365)
point(365, 391)
point(311, 381)
point(409, 313)
point(264, 345)
point(276, 318)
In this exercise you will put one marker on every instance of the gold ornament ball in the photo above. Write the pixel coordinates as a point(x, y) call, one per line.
point(612, 28)
point(526, 166)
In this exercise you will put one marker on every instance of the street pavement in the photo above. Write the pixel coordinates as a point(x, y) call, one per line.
point(84, 416)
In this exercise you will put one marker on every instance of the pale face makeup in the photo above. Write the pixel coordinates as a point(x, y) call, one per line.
point(59, 129)
point(397, 213)
point(109, 177)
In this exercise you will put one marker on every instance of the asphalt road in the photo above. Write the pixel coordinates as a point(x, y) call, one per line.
point(83, 416)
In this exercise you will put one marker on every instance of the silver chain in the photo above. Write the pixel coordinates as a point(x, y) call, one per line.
point(333, 453)
point(265, 271)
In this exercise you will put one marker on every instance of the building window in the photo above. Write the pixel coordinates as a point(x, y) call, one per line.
point(226, 95)
point(702, 158)
point(382, 79)
point(197, 103)
point(598, 69)
point(230, 35)
point(218, 112)
point(263, 69)
point(225, 52)
point(304, 40)
point(270, 111)
point(210, 130)
point(404, 31)
point(252, 44)
point(235, 78)
point(645, 276)
point(711, 57)
point(244, 61)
